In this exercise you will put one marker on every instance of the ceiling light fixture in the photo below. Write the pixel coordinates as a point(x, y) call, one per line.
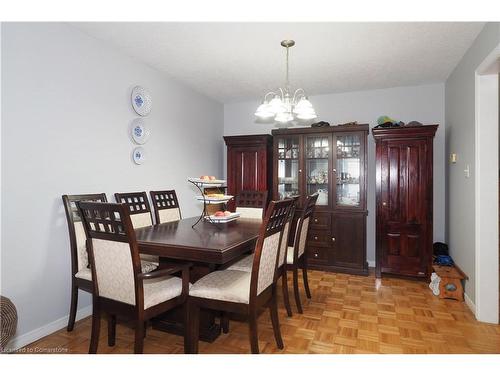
point(281, 106)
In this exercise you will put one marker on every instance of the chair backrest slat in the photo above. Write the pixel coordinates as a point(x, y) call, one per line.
point(77, 238)
point(166, 206)
point(267, 249)
point(138, 205)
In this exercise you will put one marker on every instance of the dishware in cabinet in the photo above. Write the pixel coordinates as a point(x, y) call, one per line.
point(331, 162)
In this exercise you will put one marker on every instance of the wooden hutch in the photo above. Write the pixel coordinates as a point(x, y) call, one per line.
point(331, 161)
point(404, 200)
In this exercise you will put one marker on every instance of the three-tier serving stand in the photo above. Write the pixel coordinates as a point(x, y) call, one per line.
point(202, 184)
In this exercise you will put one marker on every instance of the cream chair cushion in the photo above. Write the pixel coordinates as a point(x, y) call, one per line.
point(169, 214)
point(303, 236)
point(244, 264)
point(115, 276)
point(227, 285)
point(85, 274)
point(268, 258)
point(160, 290)
point(141, 220)
point(250, 212)
point(284, 244)
point(289, 255)
point(81, 246)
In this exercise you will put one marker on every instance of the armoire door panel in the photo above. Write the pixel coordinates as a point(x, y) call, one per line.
point(249, 164)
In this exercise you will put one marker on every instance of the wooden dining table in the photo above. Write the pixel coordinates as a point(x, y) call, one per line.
point(208, 247)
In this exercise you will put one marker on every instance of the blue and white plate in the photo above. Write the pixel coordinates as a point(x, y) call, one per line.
point(139, 131)
point(141, 101)
point(139, 155)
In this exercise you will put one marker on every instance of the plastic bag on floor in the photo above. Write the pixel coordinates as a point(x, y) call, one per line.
point(434, 284)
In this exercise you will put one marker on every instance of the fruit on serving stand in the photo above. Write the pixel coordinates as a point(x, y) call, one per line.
point(222, 213)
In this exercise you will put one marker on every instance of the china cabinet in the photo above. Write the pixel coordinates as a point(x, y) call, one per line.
point(330, 161)
point(404, 200)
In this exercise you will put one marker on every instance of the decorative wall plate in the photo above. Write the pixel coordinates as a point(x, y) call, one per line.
point(141, 101)
point(139, 131)
point(139, 155)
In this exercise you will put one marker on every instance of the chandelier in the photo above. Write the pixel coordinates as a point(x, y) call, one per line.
point(282, 105)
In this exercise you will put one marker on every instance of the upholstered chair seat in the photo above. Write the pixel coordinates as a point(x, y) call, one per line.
point(244, 264)
point(160, 290)
point(146, 267)
point(289, 255)
point(227, 285)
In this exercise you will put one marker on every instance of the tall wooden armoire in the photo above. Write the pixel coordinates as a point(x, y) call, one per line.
point(249, 163)
point(404, 200)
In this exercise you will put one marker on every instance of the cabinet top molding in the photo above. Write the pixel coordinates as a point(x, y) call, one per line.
point(326, 129)
point(405, 131)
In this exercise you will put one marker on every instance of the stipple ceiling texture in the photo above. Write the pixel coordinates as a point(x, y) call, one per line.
point(239, 61)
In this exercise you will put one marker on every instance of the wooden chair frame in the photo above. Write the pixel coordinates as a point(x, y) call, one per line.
point(164, 203)
point(301, 262)
point(274, 221)
point(110, 221)
point(72, 216)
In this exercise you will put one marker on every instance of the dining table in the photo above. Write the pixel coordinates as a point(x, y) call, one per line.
point(207, 246)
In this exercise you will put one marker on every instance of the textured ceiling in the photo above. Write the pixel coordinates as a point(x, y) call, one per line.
point(238, 61)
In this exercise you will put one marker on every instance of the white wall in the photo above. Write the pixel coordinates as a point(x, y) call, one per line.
point(460, 139)
point(420, 103)
point(65, 118)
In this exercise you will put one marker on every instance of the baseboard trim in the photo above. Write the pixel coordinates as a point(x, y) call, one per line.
point(470, 304)
point(18, 342)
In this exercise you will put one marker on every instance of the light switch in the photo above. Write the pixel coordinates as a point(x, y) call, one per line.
point(453, 158)
point(467, 171)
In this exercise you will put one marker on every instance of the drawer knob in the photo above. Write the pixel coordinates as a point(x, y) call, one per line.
point(315, 220)
point(333, 239)
point(316, 255)
point(316, 238)
point(384, 204)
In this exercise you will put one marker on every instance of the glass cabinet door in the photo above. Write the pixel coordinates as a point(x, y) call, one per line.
point(288, 167)
point(348, 170)
point(317, 167)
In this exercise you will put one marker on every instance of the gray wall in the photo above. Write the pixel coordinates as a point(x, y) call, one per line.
point(422, 103)
point(65, 118)
point(460, 138)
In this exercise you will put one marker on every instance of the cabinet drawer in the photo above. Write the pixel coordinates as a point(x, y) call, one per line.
point(321, 220)
point(317, 254)
point(320, 238)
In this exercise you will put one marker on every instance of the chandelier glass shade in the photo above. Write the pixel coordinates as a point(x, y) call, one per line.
point(283, 107)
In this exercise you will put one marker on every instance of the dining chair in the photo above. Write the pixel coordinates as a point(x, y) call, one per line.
point(81, 276)
point(245, 264)
point(140, 214)
point(295, 255)
point(120, 286)
point(251, 203)
point(240, 292)
point(165, 205)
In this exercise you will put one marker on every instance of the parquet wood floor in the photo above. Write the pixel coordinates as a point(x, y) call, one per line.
point(347, 314)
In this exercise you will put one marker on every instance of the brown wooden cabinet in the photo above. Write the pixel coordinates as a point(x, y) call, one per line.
point(249, 163)
point(332, 162)
point(404, 200)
